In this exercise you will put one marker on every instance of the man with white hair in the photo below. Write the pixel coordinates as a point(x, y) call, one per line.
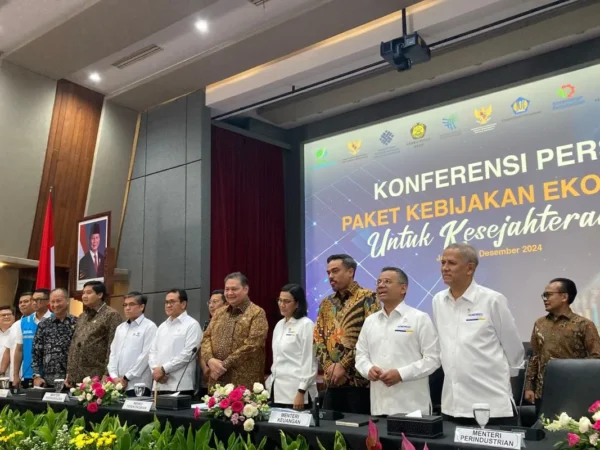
point(479, 341)
point(52, 340)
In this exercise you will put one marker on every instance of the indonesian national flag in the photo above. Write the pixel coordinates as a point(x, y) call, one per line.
point(45, 276)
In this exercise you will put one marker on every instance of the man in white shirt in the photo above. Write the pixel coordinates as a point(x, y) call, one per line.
point(479, 341)
point(397, 350)
point(176, 342)
point(128, 361)
point(26, 307)
point(24, 338)
point(7, 319)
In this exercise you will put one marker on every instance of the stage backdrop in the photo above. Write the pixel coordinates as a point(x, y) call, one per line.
point(515, 173)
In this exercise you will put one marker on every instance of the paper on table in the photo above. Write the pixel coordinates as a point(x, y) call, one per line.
point(416, 413)
point(176, 394)
point(201, 406)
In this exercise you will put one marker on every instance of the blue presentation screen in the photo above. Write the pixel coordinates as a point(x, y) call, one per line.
point(514, 173)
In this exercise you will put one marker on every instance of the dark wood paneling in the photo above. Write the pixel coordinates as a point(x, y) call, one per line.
point(68, 167)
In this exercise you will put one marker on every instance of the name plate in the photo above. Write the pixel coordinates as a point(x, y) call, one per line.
point(137, 405)
point(488, 438)
point(290, 418)
point(4, 393)
point(54, 397)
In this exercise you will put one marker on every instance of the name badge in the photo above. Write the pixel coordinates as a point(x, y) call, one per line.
point(403, 329)
point(54, 397)
point(137, 405)
point(475, 317)
point(5, 393)
point(488, 438)
point(291, 418)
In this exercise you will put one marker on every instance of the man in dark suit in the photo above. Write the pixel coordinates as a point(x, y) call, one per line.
point(92, 263)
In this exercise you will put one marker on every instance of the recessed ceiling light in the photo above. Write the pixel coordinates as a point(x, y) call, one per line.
point(2, 264)
point(95, 77)
point(202, 26)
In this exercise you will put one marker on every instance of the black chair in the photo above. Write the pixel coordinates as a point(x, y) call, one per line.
point(570, 386)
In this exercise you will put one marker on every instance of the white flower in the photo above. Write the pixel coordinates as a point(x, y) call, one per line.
point(89, 397)
point(596, 416)
point(81, 397)
point(594, 439)
point(584, 425)
point(228, 412)
point(564, 420)
point(72, 390)
point(250, 411)
point(115, 394)
point(99, 401)
point(87, 380)
point(265, 393)
point(248, 424)
point(119, 387)
point(258, 388)
point(247, 393)
point(229, 389)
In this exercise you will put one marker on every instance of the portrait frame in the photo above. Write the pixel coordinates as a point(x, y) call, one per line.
point(91, 249)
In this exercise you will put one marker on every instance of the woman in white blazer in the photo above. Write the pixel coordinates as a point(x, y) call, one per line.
point(293, 380)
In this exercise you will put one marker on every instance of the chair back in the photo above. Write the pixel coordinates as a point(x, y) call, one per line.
point(570, 386)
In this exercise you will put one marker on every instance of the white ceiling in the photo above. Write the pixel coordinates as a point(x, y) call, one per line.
point(250, 54)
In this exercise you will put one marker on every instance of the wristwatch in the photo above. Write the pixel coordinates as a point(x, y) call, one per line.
point(302, 391)
point(125, 378)
point(36, 375)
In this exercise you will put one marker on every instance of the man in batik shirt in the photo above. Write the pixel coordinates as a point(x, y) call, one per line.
point(561, 334)
point(233, 345)
point(340, 319)
point(52, 340)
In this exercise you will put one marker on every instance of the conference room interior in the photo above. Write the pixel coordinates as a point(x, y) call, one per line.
point(205, 130)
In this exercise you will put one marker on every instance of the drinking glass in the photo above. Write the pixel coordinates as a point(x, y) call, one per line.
point(4, 383)
point(139, 389)
point(59, 383)
point(481, 412)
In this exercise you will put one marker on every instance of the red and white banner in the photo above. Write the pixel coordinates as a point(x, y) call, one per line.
point(45, 276)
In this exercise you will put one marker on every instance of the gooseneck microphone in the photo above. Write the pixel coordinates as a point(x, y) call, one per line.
point(195, 350)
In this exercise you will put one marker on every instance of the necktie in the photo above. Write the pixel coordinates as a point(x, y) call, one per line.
point(96, 262)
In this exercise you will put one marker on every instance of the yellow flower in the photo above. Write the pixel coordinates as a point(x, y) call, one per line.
point(94, 434)
point(80, 444)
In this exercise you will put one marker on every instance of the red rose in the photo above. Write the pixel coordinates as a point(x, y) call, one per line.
point(100, 393)
point(96, 385)
point(237, 407)
point(196, 413)
point(235, 395)
point(95, 379)
point(224, 404)
point(211, 402)
point(109, 380)
point(92, 407)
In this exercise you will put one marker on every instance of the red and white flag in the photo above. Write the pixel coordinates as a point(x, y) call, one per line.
point(45, 276)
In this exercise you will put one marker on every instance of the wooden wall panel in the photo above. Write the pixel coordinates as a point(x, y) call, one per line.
point(67, 167)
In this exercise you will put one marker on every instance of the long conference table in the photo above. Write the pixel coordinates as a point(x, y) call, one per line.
point(355, 436)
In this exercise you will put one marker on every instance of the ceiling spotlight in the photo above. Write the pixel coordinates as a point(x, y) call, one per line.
point(2, 264)
point(95, 77)
point(202, 26)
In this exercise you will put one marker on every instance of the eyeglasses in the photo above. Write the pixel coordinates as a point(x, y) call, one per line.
point(2, 316)
point(386, 282)
point(41, 299)
point(546, 295)
point(285, 301)
point(129, 305)
point(171, 302)
point(215, 302)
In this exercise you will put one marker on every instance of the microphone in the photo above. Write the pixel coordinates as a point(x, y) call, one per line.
point(195, 350)
point(520, 410)
point(329, 414)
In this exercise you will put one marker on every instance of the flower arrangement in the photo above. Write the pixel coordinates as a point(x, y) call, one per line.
point(583, 434)
point(92, 392)
point(238, 404)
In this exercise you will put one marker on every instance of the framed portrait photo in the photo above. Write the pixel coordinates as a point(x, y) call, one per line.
point(93, 240)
